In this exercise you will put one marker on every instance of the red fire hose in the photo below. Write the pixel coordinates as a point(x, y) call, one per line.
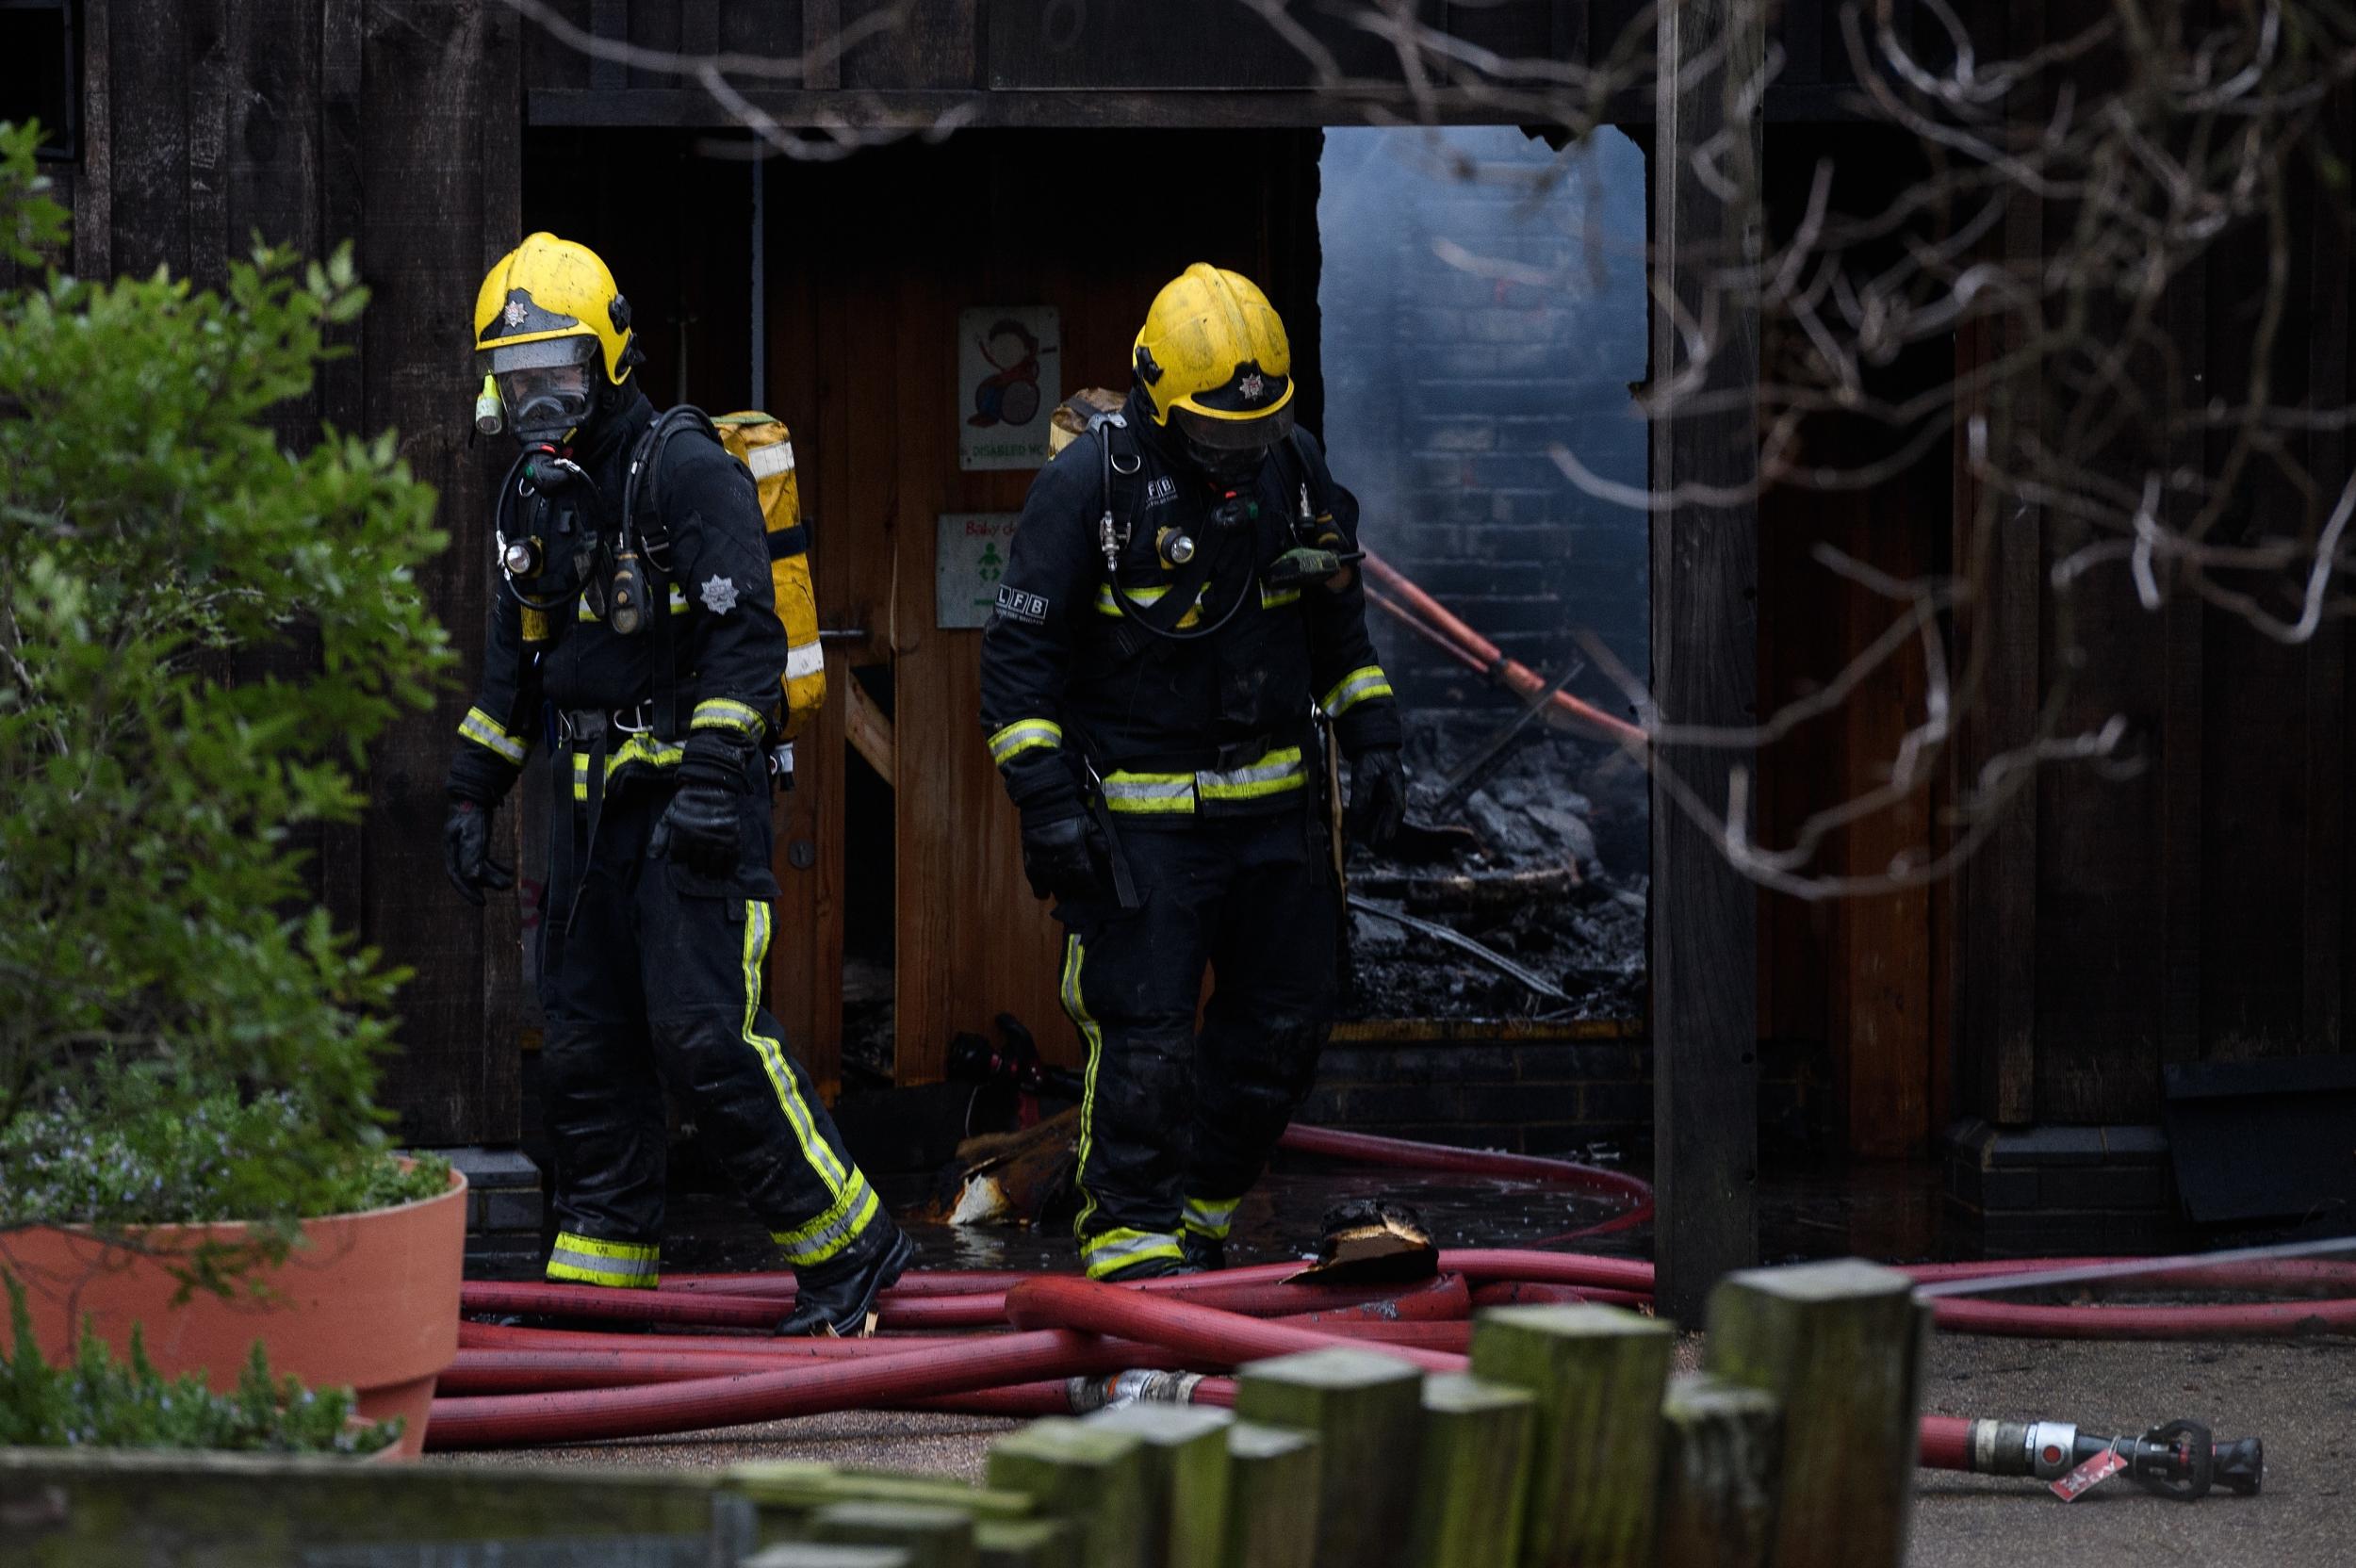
point(1477, 652)
point(1076, 1339)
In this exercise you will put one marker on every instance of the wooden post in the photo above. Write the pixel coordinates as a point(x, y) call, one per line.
point(1705, 571)
point(1088, 1475)
point(1470, 1486)
point(1186, 1478)
point(801, 1486)
point(1366, 1410)
point(1840, 1346)
point(1271, 1499)
point(1598, 1374)
point(1025, 1542)
point(1718, 1454)
point(932, 1536)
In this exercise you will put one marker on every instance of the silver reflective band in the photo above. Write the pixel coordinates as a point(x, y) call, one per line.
point(805, 660)
point(1125, 792)
point(1021, 736)
point(1120, 1248)
point(1210, 1218)
point(1277, 769)
point(1354, 688)
point(765, 461)
point(483, 730)
point(607, 1265)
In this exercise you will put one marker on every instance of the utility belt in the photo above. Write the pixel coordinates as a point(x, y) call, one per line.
point(575, 726)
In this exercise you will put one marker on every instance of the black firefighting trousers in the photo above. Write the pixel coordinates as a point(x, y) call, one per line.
point(657, 980)
point(1176, 1126)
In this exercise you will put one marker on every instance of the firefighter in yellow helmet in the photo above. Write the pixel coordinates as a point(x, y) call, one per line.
point(1178, 602)
point(634, 626)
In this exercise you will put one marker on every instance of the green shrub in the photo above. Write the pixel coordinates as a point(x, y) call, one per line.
point(101, 1403)
point(200, 632)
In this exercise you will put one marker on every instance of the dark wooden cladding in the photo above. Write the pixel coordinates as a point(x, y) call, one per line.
point(1118, 62)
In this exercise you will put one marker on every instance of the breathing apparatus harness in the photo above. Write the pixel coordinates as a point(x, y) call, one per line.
point(1312, 556)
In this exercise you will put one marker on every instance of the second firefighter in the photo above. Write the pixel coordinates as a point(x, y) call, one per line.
point(1177, 613)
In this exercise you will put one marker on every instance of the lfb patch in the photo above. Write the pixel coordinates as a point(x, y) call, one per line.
point(1016, 605)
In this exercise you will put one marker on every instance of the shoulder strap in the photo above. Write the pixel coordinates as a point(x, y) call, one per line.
point(645, 477)
point(647, 527)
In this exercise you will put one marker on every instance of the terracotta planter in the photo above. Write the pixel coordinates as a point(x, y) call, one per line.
point(371, 1302)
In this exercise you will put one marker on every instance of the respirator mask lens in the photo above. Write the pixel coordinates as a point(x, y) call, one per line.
point(1229, 453)
point(546, 387)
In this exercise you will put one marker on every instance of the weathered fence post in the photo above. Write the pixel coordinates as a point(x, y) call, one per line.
point(1089, 1474)
point(1186, 1478)
point(933, 1537)
point(1474, 1471)
point(812, 1554)
point(1366, 1410)
point(1598, 1374)
point(1840, 1345)
point(1718, 1453)
point(1271, 1499)
point(1026, 1543)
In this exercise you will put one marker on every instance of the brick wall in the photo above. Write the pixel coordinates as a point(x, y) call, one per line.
point(1446, 387)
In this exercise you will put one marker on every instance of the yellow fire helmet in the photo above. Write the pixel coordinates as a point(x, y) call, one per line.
point(547, 311)
point(1212, 353)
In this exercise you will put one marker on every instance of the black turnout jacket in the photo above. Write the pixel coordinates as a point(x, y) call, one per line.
point(729, 648)
point(1176, 731)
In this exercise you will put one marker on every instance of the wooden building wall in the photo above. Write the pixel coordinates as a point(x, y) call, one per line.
point(395, 124)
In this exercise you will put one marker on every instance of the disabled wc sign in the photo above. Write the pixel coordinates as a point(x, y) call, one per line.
point(1009, 360)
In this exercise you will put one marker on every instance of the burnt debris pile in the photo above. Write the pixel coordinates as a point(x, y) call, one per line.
point(1533, 850)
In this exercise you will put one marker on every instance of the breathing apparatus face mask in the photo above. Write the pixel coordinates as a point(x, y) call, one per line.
point(547, 388)
point(1229, 453)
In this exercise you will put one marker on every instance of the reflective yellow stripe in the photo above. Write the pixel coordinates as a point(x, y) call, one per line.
point(726, 714)
point(1109, 1251)
point(831, 1232)
point(1106, 604)
point(1177, 793)
point(1360, 684)
point(772, 1054)
point(1150, 793)
point(484, 730)
point(1075, 1008)
point(1272, 775)
point(1211, 1219)
point(1276, 599)
point(679, 601)
point(586, 1260)
point(638, 748)
point(1020, 736)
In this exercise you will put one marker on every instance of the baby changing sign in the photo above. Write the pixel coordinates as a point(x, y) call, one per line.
point(968, 561)
point(1008, 360)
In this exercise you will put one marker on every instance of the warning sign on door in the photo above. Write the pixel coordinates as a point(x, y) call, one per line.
point(968, 557)
point(1008, 360)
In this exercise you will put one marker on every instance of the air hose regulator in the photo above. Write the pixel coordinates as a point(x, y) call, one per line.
point(543, 472)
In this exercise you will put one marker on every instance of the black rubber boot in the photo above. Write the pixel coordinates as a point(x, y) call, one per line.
point(839, 1308)
point(1204, 1254)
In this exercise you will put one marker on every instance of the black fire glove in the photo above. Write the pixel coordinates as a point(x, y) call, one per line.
point(467, 851)
point(701, 827)
point(1378, 797)
point(1063, 851)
